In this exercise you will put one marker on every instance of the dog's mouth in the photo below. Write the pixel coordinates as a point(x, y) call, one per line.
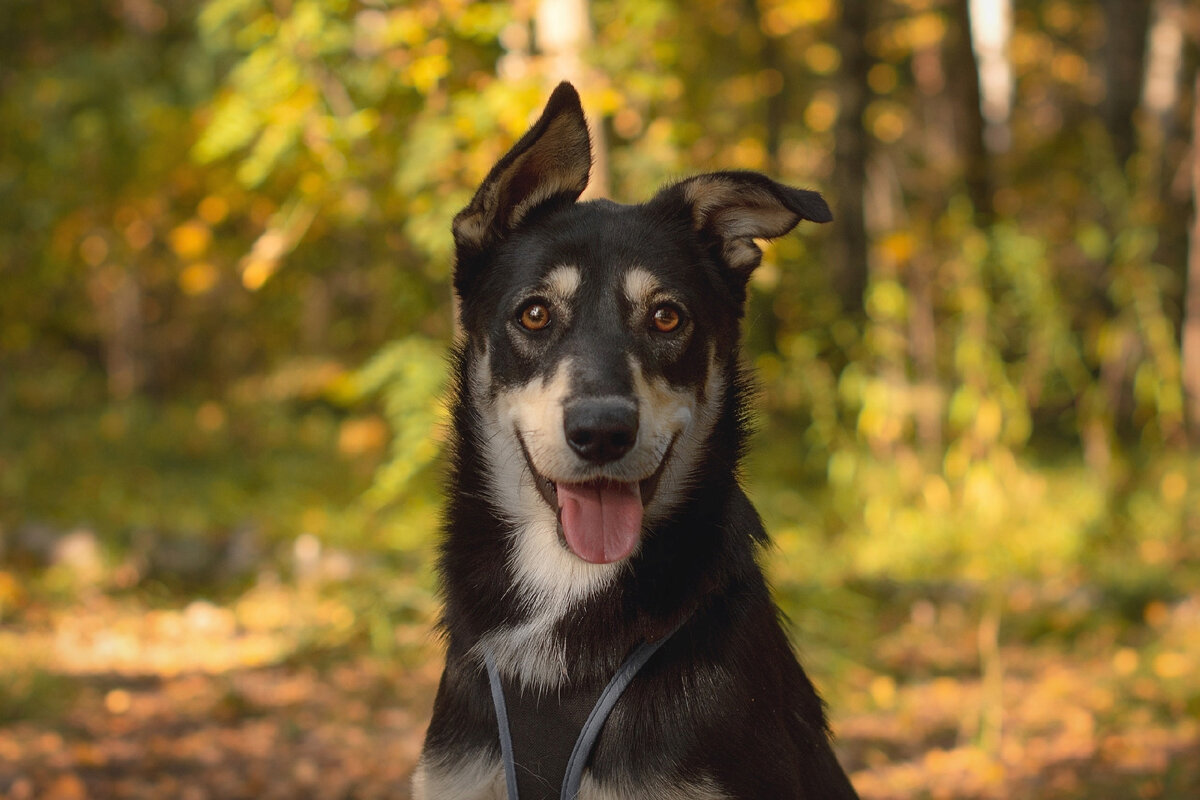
point(599, 520)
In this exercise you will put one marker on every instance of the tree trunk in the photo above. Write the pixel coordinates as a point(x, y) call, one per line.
point(850, 158)
point(1169, 63)
point(922, 343)
point(1191, 310)
point(963, 70)
point(937, 133)
point(117, 298)
point(563, 32)
point(1124, 64)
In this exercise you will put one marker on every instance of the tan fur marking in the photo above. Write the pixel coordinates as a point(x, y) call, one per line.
point(693, 417)
point(704, 194)
point(471, 226)
point(737, 210)
point(738, 214)
point(640, 286)
point(468, 778)
point(561, 283)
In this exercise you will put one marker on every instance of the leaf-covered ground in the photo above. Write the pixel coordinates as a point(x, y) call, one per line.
point(112, 698)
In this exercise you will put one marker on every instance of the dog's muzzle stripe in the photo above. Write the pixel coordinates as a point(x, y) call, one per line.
point(573, 774)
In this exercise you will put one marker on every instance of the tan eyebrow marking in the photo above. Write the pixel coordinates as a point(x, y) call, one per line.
point(561, 283)
point(640, 286)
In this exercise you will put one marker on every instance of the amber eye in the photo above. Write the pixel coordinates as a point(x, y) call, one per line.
point(666, 318)
point(535, 316)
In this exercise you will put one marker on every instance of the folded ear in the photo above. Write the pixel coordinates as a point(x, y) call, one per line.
point(735, 208)
point(551, 161)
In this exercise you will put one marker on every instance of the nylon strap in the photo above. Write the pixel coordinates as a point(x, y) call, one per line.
point(549, 730)
point(506, 749)
point(604, 706)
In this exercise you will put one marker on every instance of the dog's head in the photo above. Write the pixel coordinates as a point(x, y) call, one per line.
point(600, 339)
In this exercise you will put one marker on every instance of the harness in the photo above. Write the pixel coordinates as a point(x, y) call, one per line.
point(537, 732)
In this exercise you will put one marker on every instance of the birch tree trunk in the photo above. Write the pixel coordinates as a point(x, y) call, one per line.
point(563, 33)
point(963, 70)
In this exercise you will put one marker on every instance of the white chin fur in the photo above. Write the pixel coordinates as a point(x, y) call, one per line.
point(548, 573)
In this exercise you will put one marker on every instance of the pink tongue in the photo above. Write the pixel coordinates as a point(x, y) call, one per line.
point(602, 521)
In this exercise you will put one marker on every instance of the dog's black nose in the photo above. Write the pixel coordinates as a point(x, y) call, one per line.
point(601, 430)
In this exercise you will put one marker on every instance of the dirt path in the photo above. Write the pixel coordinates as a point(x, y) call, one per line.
point(206, 703)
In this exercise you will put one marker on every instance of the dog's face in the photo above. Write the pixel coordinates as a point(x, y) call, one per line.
point(599, 342)
point(596, 370)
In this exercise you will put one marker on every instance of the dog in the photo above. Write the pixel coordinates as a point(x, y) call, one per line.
point(594, 509)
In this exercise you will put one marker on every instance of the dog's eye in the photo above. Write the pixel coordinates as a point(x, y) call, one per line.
point(534, 317)
point(666, 318)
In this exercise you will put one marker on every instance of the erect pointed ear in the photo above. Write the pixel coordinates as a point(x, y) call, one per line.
point(551, 161)
point(735, 208)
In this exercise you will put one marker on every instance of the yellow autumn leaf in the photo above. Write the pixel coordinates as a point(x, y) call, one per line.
point(256, 271)
point(822, 112)
point(190, 240)
point(198, 278)
point(213, 209)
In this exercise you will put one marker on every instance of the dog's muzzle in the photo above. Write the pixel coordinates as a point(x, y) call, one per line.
point(599, 520)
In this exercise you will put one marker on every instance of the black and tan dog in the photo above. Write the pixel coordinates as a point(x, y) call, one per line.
point(594, 506)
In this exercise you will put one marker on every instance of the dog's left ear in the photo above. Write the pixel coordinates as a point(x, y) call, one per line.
point(735, 208)
point(550, 162)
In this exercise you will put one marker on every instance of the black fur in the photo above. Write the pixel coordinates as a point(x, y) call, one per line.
point(725, 697)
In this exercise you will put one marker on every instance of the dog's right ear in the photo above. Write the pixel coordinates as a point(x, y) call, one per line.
point(550, 162)
point(735, 208)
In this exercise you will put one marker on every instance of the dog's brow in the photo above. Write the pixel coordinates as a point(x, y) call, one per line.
point(562, 282)
point(640, 286)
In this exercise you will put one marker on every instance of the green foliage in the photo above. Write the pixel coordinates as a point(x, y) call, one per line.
point(225, 242)
point(410, 375)
point(178, 470)
point(225, 311)
point(27, 694)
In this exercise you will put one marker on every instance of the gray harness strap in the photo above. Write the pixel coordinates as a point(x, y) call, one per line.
point(591, 726)
point(506, 747)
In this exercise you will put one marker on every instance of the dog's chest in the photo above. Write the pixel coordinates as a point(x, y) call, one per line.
point(544, 729)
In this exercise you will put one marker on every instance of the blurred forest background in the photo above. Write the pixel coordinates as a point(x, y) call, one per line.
point(224, 309)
